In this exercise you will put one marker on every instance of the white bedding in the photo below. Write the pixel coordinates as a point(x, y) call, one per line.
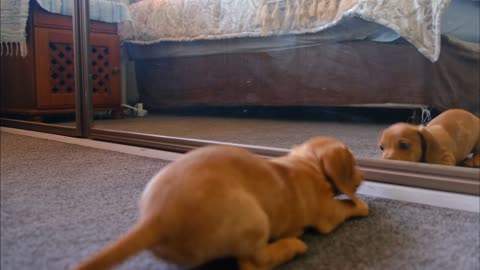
point(418, 21)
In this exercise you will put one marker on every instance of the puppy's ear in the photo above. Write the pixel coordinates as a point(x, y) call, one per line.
point(338, 166)
point(430, 146)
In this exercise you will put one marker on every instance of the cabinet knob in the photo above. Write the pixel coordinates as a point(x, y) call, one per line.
point(115, 70)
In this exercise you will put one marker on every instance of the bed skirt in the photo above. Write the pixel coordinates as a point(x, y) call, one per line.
point(327, 74)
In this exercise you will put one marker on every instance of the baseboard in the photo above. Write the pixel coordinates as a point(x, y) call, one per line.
point(389, 191)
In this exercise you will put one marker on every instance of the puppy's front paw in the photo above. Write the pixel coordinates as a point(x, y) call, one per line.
point(296, 245)
point(473, 162)
point(361, 208)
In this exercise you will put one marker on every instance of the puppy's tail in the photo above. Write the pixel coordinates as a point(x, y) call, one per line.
point(142, 236)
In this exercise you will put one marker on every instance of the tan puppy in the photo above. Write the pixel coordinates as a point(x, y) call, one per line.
point(221, 201)
point(448, 140)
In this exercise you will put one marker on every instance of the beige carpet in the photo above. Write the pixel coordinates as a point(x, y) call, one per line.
point(362, 137)
point(61, 203)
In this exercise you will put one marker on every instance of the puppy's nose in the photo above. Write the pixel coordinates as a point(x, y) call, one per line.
point(387, 155)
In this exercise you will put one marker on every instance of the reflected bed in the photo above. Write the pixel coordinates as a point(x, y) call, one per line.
point(353, 61)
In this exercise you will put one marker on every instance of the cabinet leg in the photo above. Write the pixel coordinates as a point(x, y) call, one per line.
point(37, 118)
point(117, 114)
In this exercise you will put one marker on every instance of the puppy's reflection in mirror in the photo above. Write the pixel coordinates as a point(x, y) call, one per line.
point(451, 138)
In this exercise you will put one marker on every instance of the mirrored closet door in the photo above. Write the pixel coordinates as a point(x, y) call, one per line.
point(271, 74)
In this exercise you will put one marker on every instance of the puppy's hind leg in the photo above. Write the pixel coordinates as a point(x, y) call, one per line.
point(273, 254)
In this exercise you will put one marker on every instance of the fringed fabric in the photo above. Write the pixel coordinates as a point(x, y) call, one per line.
point(13, 19)
point(13, 49)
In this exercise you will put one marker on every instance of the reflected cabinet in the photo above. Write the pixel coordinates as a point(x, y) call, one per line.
point(50, 62)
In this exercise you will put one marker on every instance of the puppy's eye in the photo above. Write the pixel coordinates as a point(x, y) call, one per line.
point(404, 146)
point(381, 148)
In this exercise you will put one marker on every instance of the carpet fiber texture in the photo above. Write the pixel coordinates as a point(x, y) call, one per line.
point(361, 137)
point(61, 203)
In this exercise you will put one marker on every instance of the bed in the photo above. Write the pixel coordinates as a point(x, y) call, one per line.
point(305, 53)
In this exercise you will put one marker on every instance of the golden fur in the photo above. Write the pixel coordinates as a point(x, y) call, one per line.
point(221, 201)
point(448, 140)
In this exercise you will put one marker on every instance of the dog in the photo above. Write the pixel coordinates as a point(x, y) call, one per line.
point(448, 139)
point(223, 201)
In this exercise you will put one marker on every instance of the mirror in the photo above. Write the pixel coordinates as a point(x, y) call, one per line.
point(275, 73)
point(37, 63)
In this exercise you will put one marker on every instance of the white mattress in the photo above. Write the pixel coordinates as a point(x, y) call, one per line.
point(112, 11)
point(461, 20)
point(351, 28)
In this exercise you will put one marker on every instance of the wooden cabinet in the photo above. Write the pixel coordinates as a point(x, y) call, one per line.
point(43, 83)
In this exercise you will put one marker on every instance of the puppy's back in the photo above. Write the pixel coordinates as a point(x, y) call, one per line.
point(457, 121)
point(462, 127)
